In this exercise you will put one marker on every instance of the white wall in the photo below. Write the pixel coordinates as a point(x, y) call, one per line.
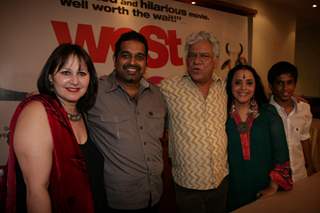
point(278, 34)
point(274, 35)
point(307, 61)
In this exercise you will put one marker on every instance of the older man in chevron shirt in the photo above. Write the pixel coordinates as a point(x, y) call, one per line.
point(197, 105)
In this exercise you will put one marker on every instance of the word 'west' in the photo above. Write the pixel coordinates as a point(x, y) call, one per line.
point(164, 44)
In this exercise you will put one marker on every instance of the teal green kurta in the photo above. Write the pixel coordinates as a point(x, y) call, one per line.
point(268, 147)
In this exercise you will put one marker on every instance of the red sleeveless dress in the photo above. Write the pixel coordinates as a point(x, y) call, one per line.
point(69, 186)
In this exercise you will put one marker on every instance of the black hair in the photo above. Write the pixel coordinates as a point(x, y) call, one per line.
point(56, 61)
point(128, 36)
point(282, 67)
point(259, 93)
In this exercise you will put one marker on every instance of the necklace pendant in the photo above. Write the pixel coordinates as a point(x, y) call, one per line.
point(243, 127)
point(74, 117)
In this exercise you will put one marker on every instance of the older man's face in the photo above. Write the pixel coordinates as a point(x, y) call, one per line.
point(201, 62)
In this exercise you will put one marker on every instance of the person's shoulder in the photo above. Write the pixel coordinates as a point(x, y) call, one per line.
point(33, 108)
point(104, 79)
point(170, 81)
point(304, 109)
point(170, 85)
point(303, 105)
point(219, 78)
point(154, 87)
point(35, 101)
point(268, 113)
point(268, 109)
point(105, 82)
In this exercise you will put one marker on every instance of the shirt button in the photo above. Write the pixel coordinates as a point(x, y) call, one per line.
point(141, 127)
point(145, 143)
point(151, 113)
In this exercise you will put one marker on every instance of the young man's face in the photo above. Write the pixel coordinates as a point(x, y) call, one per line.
point(283, 87)
point(131, 62)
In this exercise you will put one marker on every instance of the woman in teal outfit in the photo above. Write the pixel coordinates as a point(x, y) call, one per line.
point(257, 147)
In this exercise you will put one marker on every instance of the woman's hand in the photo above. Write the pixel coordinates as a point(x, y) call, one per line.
point(270, 190)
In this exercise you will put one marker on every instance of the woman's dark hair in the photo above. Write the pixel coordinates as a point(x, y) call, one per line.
point(56, 61)
point(259, 93)
point(129, 36)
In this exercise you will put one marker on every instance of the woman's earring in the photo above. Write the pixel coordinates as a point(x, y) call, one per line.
point(233, 106)
point(253, 102)
point(51, 84)
point(253, 107)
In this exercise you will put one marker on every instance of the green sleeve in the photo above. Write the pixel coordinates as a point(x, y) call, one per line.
point(278, 137)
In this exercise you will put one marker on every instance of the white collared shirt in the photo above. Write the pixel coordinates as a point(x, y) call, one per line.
point(297, 126)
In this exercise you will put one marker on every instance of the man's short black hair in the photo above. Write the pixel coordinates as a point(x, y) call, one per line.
point(282, 67)
point(128, 36)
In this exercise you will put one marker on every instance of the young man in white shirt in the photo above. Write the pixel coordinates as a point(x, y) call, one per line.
point(296, 117)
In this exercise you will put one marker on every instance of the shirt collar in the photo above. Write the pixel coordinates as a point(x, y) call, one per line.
point(278, 107)
point(114, 83)
point(215, 77)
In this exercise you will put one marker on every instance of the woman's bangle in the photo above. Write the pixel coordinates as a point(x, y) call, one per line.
point(274, 185)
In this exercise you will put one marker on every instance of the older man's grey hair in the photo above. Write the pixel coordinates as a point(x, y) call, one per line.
point(203, 36)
